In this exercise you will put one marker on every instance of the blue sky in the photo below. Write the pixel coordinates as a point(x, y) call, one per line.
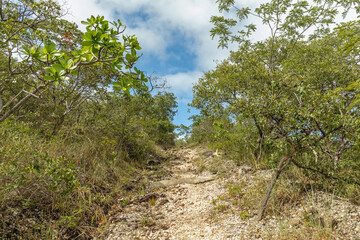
point(174, 35)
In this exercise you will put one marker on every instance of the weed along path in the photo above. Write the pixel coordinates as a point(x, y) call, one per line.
point(201, 195)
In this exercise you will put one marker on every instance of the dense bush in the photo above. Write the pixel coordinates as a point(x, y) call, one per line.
point(292, 98)
point(63, 186)
point(78, 121)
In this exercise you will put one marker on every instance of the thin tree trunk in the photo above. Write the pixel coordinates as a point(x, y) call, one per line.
point(1, 104)
point(21, 102)
point(121, 143)
point(282, 164)
point(14, 108)
point(57, 125)
point(258, 150)
point(122, 136)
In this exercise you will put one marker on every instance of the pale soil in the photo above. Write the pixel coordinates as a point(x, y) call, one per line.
point(193, 203)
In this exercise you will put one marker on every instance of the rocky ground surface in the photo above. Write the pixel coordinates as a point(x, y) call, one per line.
point(195, 198)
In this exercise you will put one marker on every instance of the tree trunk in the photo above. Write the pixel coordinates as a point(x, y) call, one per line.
point(21, 102)
point(57, 125)
point(1, 104)
point(258, 150)
point(282, 164)
point(121, 143)
point(13, 109)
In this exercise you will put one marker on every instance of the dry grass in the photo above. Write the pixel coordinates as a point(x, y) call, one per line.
point(304, 233)
point(61, 188)
point(316, 222)
point(213, 162)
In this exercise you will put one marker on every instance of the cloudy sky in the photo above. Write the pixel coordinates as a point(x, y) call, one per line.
point(174, 35)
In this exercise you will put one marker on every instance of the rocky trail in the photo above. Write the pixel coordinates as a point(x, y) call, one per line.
point(198, 198)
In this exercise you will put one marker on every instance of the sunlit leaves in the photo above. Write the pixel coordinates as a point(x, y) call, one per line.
point(284, 81)
point(101, 45)
point(222, 28)
point(286, 17)
point(225, 5)
point(298, 88)
point(350, 33)
point(32, 51)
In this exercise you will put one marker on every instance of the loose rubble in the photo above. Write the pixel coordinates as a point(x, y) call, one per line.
point(187, 205)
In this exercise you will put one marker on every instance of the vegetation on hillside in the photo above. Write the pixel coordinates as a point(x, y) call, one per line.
point(78, 121)
point(291, 99)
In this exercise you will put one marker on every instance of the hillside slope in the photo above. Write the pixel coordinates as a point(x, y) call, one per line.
point(205, 196)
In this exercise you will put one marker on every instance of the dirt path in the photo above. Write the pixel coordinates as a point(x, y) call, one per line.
point(195, 202)
point(180, 206)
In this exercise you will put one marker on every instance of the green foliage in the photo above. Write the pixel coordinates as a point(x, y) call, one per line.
point(284, 17)
point(54, 55)
point(73, 178)
point(236, 190)
point(293, 96)
point(244, 215)
point(55, 174)
point(77, 121)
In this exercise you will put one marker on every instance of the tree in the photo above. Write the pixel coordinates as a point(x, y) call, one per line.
point(285, 83)
point(40, 55)
point(77, 120)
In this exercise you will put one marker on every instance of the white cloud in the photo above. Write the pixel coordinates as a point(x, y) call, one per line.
point(161, 19)
point(182, 83)
point(80, 10)
point(150, 41)
point(158, 25)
